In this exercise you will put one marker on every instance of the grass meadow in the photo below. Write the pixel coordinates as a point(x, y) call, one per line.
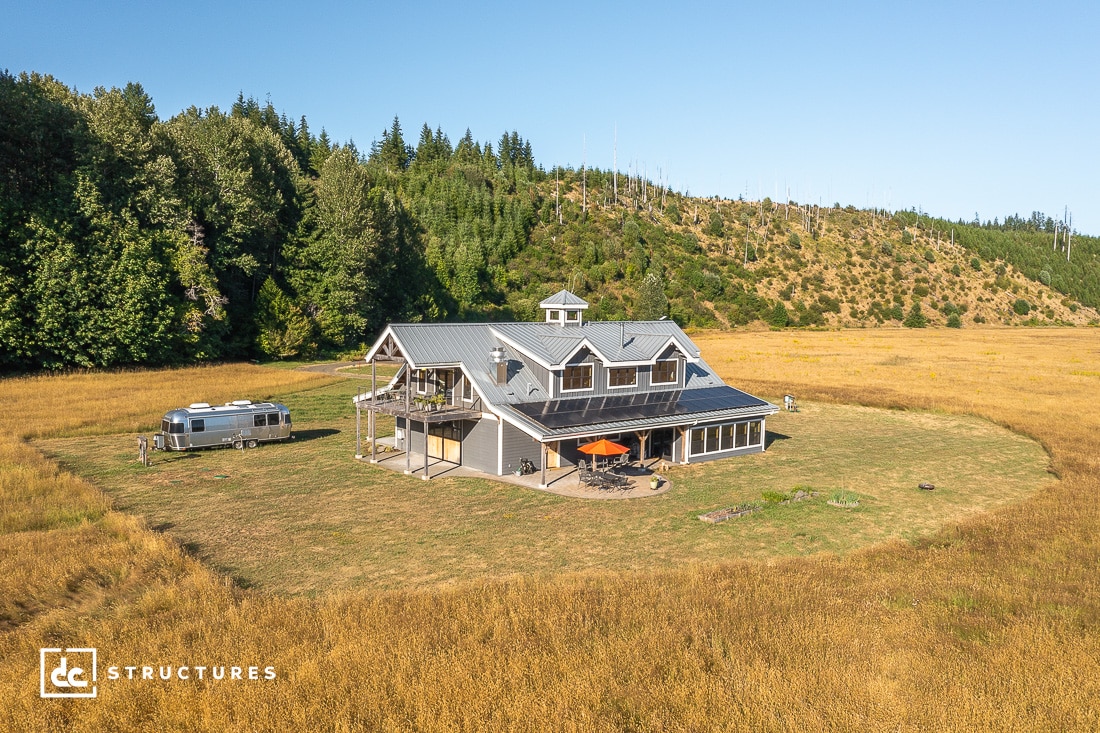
point(305, 517)
point(990, 620)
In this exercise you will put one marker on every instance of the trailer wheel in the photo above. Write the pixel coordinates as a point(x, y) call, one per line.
point(251, 444)
point(238, 444)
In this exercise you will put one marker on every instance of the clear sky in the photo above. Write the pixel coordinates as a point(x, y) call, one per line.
point(954, 108)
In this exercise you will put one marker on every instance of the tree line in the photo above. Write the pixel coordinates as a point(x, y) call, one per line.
point(127, 239)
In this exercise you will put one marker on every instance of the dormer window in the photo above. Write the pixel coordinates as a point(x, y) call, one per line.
point(576, 378)
point(572, 316)
point(664, 372)
point(553, 316)
point(622, 377)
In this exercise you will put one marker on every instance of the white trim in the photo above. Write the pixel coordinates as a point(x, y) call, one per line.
point(692, 454)
point(500, 447)
point(585, 343)
point(620, 386)
point(653, 370)
point(591, 378)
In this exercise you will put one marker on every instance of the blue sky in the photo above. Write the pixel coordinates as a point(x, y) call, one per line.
point(952, 108)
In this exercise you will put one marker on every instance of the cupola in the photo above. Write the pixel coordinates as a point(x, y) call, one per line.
point(564, 309)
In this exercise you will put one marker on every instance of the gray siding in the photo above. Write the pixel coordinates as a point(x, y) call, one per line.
point(479, 445)
point(517, 445)
point(600, 374)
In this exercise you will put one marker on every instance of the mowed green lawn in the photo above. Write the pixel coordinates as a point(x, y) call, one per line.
point(306, 517)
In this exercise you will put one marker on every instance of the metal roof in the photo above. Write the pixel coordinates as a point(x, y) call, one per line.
point(467, 346)
point(564, 299)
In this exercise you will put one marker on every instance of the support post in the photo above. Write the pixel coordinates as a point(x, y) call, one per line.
point(374, 411)
point(408, 424)
point(425, 476)
point(358, 436)
point(542, 482)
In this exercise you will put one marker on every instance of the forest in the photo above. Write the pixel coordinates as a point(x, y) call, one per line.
point(126, 239)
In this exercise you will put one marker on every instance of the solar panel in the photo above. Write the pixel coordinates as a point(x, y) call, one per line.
point(569, 413)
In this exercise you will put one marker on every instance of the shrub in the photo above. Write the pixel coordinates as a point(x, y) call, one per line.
point(906, 237)
point(928, 256)
point(953, 321)
point(844, 499)
point(1044, 277)
point(915, 319)
point(887, 248)
point(1000, 269)
point(956, 270)
point(1022, 307)
point(795, 241)
point(775, 497)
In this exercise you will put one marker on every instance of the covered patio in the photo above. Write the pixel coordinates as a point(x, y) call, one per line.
point(563, 481)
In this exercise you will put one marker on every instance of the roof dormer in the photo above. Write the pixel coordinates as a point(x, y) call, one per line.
point(564, 309)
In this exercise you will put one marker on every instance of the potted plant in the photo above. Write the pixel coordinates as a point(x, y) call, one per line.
point(654, 481)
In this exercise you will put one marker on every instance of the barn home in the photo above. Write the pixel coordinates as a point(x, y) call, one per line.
point(490, 396)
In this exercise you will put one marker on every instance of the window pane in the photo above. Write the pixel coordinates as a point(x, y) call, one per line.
point(727, 437)
point(754, 433)
point(577, 377)
point(198, 426)
point(623, 376)
point(697, 435)
point(176, 427)
point(742, 434)
point(664, 372)
point(272, 418)
point(712, 439)
point(258, 421)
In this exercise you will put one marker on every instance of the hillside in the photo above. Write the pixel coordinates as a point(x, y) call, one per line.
point(735, 263)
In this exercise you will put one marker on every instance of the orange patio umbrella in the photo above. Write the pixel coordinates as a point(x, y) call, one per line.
point(602, 447)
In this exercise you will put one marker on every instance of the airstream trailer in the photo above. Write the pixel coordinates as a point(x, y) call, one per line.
point(238, 424)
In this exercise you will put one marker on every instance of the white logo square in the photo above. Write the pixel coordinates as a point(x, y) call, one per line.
point(67, 672)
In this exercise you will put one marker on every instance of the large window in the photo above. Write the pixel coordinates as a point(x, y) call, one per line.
point(421, 381)
point(719, 438)
point(622, 376)
point(664, 372)
point(577, 377)
point(467, 390)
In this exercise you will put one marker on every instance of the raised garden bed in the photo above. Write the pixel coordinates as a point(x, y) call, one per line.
point(721, 515)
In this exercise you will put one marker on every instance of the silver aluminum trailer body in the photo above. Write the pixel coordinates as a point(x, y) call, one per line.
point(237, 424)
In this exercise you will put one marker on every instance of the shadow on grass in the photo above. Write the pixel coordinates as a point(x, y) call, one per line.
point(173, 456)
point(302, 436)
point(770, 437)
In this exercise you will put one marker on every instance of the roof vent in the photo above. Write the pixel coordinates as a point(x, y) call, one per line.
point(198, 405)
point(241, 403)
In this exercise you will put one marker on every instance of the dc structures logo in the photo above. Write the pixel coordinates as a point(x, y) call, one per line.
point(67, 672)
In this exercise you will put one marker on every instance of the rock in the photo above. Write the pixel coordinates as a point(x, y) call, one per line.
point(926, 486)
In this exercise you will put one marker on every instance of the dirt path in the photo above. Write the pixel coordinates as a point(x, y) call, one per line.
point(335, 369)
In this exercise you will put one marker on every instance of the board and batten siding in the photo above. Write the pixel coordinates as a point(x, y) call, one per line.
point(600, 373)
point(517, 445)
point(479, 444)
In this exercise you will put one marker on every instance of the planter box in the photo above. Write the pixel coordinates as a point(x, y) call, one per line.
point(721, 515)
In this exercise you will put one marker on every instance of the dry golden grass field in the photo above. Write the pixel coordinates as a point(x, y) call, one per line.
point(992, 622)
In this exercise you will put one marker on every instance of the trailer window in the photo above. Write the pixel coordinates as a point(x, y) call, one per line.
point(176, 428)
point(272, 418)
point(198, 426)
point(164, 426)
point(260, 421)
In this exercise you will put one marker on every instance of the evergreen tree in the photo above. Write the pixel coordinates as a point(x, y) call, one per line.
point(915, 319)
